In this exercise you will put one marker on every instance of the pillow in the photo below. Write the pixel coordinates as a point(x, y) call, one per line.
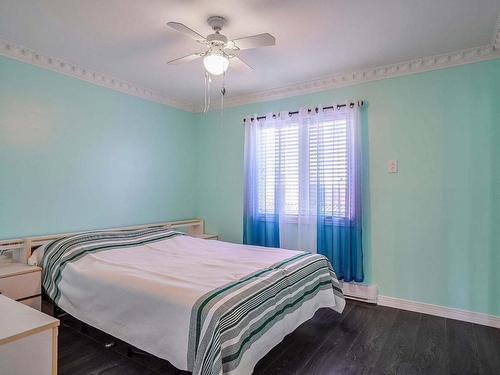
point(36, 257)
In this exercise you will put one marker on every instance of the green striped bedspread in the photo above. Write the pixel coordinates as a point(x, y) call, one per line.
point(59, 253)
point(226, 321)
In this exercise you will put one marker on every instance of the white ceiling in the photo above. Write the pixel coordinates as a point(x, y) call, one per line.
point(128, 39)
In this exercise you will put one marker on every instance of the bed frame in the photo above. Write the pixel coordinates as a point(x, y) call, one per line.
point(22, 248)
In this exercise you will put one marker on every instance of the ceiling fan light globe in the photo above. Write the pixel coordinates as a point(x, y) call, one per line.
point(216, 64)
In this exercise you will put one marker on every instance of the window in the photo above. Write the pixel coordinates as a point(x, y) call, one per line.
point(303, 180)
point(294, 158)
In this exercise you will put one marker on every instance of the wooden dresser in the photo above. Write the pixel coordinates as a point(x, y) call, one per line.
point(28, 340)
point(21, 282)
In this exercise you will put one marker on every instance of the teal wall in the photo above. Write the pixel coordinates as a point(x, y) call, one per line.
point(76, 156)
point(79, 156)
point(432, 231)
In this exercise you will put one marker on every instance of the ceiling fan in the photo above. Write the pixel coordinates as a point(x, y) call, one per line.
point(220, 50)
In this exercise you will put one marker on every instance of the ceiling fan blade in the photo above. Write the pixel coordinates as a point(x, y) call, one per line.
point(186, 30)
point(260, 40)
point(184, 59)
point(238, 64)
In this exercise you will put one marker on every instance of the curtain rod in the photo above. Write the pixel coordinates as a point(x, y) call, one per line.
point(338, 106)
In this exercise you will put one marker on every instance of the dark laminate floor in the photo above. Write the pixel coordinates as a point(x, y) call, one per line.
point(365, 339)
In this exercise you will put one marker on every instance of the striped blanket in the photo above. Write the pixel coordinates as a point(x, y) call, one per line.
point(226, 321)
point(59, 253)
point(230, 325)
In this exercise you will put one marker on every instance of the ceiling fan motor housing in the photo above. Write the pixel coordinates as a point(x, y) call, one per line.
point(216, 22)
point(217, 39)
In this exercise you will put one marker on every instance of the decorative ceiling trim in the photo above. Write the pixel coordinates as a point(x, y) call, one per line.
point(424, 64)
point(15, 51)
point(496, 35)
point(420, 65)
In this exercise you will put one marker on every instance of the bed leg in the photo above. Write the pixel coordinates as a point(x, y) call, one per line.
point(84, 328)
point(48, 306)
point(55, 310)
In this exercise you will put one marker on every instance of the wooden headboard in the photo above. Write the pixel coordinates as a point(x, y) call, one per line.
point(23, 247)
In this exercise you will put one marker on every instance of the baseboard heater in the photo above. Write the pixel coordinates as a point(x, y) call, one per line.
point(360, 292)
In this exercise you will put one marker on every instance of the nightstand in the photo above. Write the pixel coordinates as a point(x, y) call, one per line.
point(28, 340)
point(21, 282)
point(207, 236)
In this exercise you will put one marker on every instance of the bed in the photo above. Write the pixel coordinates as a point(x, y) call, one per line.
point(206, 306)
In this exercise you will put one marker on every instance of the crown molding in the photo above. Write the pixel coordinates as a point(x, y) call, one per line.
point(420, 65)
point(30, 56)
point(495, 42)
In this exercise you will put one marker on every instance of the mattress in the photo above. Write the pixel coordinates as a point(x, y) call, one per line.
point(206, 306)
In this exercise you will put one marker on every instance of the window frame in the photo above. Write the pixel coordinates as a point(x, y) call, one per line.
point(344, 219)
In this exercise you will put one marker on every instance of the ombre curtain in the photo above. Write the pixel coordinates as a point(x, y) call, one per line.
point(260, 218)
point(302, 187)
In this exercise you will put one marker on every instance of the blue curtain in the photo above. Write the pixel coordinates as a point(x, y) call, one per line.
point(339, 226)
point(261, 231)
point(260, 221)
point(324, 189)
point(341, 243)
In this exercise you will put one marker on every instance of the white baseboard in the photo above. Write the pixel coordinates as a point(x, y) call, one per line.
point(360, 292)
point(445, 312)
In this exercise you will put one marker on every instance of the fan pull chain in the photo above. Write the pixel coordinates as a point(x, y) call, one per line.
point(223, 93)
point(208, 79)
point(205, 92)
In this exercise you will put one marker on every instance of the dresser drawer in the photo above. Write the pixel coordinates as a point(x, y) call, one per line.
point(21, 286)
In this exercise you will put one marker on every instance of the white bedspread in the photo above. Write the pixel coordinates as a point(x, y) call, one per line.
point(144, 294)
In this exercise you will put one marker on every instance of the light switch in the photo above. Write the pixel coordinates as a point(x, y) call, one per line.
point(392, 166)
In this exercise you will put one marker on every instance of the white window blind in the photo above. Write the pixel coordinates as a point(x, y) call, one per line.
point(291, 156)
